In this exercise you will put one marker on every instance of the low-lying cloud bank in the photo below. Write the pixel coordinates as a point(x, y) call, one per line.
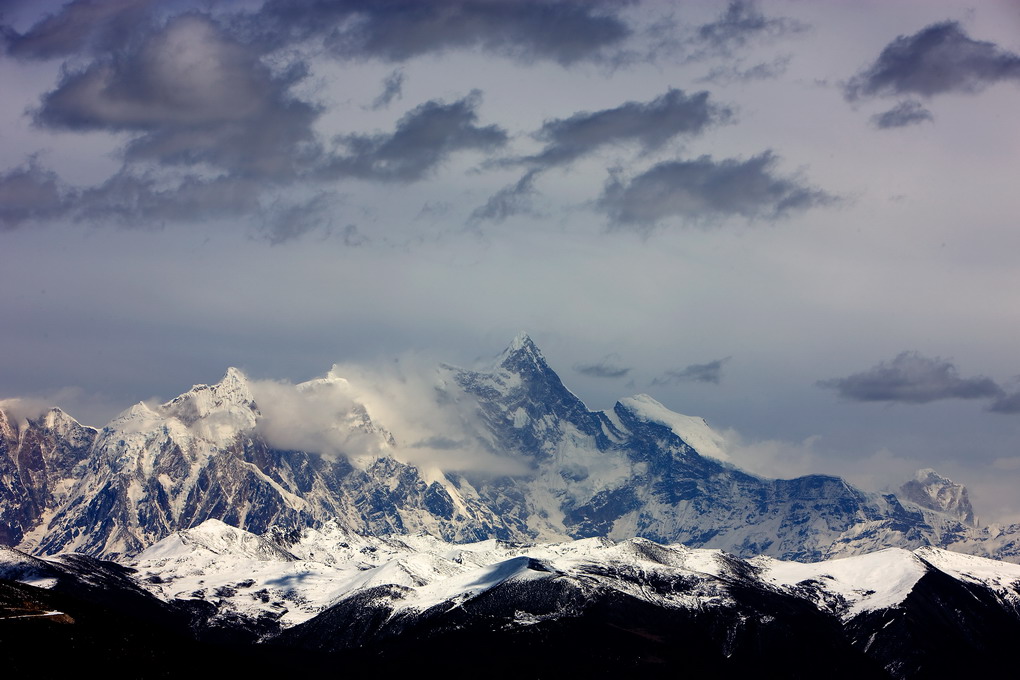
point(408, 410)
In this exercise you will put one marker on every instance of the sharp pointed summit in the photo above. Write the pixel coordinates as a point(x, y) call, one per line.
point(931, 490)
point(231, 394)
point(522, 355)
point(520, 341)
point(511, 453)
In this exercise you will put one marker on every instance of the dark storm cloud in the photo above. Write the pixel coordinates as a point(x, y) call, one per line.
point(604, 368)
point(424, 138)
point(514, 199)
point(393, 88)
point(397, 30)
point(650, 124)
point(705, 191)
point(195, 98)
point(913, 379)
point(707, 373)
point(80, 26)
point(905, 113)
point(938, 59)
point(31, 193)
point(194, 95)
point(1006, 403)
point(741, 23)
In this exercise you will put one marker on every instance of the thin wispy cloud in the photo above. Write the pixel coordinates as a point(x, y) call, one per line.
point(290, 220)
point(910, 112)
point(738, 73)
point(393, 88)
point(514, 199)
point(137, 201)
point(743, 22)
point(391, 30)
point(710, 372)
point(31, 193)
point(606, 367)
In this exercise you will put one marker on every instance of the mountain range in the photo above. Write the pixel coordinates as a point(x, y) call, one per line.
point(543, 468)
point(215, 599)
point(310, 527)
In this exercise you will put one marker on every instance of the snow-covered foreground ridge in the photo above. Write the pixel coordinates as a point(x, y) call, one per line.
point(291, 577)
point(345, 600)
point(506, 453)
point(294, 578)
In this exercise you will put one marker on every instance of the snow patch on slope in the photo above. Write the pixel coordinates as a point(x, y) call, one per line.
point(693, 430)
point(1003, 575)
point(878, 580)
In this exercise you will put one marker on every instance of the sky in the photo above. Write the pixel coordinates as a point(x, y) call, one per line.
point(797, 220)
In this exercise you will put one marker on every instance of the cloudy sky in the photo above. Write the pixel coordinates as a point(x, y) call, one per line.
point(798, 220)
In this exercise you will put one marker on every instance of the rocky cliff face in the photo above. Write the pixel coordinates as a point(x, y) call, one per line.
point(153, 470)
point(559, 470)
point(39, 460)
point(931, 490)
point(631, 471)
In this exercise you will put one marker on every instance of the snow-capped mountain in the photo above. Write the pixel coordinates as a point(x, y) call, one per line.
point(301, 574)
point(931, 490)
point(592, 605)
point(545, 468)
point(39, 461)
point(893, 613)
